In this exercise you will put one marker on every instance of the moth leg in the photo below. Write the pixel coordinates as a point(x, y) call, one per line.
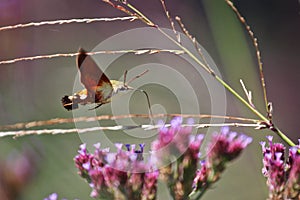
point(96, 106)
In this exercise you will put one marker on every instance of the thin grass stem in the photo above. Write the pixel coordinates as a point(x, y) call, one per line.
point(146, 127)
point(67, 21)
point(256, 46)
point(49, 56)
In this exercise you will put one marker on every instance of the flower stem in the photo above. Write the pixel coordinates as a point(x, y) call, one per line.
point(221, 81)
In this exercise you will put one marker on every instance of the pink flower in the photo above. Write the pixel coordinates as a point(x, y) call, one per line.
point(127, 175)
point(283, 178)
point(111, 173)
point(223, 148)
point(226, 146)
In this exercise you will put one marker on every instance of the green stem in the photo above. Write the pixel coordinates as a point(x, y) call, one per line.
point(230, 89)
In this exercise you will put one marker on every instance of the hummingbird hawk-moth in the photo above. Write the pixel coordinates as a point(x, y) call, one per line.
point(98, 88)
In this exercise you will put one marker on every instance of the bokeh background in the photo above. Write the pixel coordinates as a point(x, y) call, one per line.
point(32, 90)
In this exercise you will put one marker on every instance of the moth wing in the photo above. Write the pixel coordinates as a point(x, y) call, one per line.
point(92, 77)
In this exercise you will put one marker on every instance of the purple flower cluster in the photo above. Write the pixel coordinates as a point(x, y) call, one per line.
point(176, 141)
point(283, 177)
point(293, 170)
point(120, 175)
point(174, 159)
point(177, 153)
point(223, 148)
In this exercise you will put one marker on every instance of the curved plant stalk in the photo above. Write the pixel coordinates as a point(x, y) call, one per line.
point(269, 124)
point(255, 44)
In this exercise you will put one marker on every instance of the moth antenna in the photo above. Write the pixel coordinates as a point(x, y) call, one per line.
point(137, 76)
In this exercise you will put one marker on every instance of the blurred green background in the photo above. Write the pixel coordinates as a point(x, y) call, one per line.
point(32, 90)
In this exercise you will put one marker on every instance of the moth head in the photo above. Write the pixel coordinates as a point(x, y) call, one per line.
point(68, 103)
